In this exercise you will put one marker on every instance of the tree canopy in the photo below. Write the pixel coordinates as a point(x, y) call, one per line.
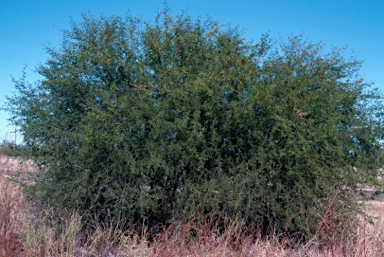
point(147, 123)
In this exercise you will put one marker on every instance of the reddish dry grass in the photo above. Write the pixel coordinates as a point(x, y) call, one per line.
point(205, 239)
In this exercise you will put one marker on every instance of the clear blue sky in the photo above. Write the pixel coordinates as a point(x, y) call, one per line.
point(27, 26)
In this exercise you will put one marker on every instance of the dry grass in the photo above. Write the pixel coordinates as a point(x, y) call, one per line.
point(10, 217)
point(375, 209)
point(10, 166)
point(24, 233)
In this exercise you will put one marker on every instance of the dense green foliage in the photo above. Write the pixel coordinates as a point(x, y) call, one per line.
point(149, 122)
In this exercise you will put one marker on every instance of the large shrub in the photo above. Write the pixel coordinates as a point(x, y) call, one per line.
point(146, 123)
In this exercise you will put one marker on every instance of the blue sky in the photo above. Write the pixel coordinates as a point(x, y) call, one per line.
point(27, 27)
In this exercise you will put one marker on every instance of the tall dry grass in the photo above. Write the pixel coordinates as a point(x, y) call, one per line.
point(27, 232)
point(10, 217)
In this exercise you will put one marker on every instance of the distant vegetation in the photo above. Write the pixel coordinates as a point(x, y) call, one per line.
point(149, 123)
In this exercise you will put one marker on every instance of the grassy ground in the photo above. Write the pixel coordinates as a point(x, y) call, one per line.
point(23, 232)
